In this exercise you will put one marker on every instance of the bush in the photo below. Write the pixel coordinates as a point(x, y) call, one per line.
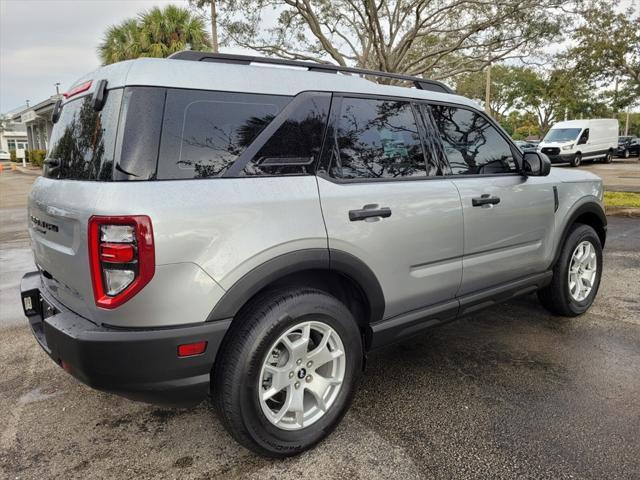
point(12, 154)
point(36, 157)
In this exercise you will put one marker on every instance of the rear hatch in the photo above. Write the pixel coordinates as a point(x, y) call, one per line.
point(81, 152)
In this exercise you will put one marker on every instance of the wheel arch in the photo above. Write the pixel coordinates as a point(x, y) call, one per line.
point(337, 272)
point(589, 213)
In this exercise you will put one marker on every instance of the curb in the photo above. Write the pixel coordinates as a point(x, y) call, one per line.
point(629, 212)
point(29, 171)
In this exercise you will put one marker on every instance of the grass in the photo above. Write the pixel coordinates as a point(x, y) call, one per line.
point(622, 199)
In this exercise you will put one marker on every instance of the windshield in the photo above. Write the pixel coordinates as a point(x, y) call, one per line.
point(83, 140)
point(562, 134)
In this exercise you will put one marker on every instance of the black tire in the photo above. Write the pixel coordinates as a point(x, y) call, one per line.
point(237, 370)
point(626, 154)
point(556, 296)
point(576, 160)
point(608, 158)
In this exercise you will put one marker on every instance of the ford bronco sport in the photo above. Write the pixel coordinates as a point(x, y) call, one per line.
point(250, 228)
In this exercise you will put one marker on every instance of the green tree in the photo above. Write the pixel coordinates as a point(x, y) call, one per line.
point(416, 37)
point(505, 88)
point(155, 33)
point(552, 96)
point(607, 47)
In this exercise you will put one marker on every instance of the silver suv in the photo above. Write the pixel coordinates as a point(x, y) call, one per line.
point(250, 228)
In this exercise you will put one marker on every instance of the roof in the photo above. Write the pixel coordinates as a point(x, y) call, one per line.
point(266, 79)
point(582, 123)
point(29, 113)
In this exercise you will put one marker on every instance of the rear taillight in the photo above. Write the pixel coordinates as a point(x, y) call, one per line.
point(122, 257)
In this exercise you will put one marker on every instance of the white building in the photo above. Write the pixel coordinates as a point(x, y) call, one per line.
point(13, 134)
point(37, 120)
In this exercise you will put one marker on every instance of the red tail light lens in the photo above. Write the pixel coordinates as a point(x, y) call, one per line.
point(122, 257)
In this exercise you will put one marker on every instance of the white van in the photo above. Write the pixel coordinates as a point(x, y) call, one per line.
point(576, 140)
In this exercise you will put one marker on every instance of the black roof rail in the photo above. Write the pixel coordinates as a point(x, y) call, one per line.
point(420, 83)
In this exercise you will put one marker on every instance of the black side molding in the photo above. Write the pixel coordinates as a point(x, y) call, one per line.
point(408, 324)
point(300, 261)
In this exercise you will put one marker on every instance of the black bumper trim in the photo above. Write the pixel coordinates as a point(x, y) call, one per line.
point(567, 158)
point(137, 364)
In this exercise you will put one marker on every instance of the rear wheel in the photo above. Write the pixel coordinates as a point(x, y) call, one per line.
point(287, 374)
point(608, 158)
point(576, 275)
point(576, 160)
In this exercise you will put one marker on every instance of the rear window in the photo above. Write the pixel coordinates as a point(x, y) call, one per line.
point(83, 141)
point(205, 132)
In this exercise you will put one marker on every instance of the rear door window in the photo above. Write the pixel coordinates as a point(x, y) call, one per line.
point(204, 132)
point(82, 141)
point(377, 139)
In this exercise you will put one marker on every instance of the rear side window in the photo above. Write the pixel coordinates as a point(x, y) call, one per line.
point(204, 132)
point(472, 145)
point(83, 141)
point(376, 139)
point(296, 144)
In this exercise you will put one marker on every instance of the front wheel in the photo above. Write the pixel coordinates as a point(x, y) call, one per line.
point(287, 373)
point(625, 154)
point(576, 160)
point(576, 274)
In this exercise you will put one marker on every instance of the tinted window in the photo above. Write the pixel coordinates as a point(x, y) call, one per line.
point(205, 132)
point(139, 138)
point(376, 139)
point(471, 143)
point(584, 138)
point(83, 140)
point(295, 145)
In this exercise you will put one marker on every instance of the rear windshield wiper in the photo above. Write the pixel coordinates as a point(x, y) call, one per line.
point(52, 162)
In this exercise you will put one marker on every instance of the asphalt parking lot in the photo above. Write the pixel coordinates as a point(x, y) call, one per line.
point(511, 392)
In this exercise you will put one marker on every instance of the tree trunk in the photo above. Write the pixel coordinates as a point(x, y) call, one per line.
point(214, 27)
point(487, 97)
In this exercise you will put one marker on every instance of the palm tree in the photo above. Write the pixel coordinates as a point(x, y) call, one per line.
point(155, 33)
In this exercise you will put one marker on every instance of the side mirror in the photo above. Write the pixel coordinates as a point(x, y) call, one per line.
point(536, 164)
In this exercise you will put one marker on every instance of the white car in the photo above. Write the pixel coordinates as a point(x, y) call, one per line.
point(576, 140)
point(4, 155)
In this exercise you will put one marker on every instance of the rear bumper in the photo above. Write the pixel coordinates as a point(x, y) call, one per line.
point(140, 364)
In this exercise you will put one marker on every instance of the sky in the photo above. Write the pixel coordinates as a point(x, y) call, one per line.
point(47, 41)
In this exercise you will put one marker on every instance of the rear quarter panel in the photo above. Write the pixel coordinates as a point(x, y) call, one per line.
point(208, 234)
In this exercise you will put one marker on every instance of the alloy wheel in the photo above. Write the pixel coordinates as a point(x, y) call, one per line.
point(582, 271)
point(302, 375)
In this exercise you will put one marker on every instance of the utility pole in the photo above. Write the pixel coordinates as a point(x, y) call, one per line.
point(487, 95)
point(57, 85)
point(615, 100)
point(626, 123)
point(214, 27)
